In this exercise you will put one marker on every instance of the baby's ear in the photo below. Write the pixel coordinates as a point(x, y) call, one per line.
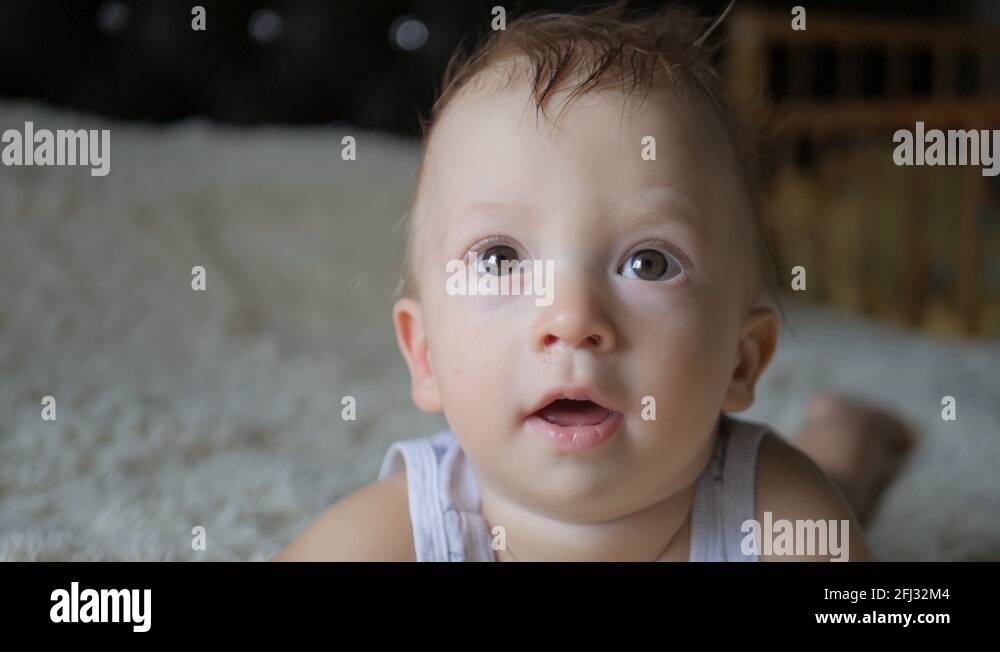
point(758, 338)
point(407, 317)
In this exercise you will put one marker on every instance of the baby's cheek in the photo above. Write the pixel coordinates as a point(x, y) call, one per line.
point(685, 370)
point(472, 374)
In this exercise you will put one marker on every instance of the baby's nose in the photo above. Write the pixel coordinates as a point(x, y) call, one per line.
point(575, 319)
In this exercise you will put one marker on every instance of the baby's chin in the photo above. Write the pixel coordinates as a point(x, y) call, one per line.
point(626, 471)
point(587, 493)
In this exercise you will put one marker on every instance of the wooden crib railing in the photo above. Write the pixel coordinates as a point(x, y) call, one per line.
point(946, 76)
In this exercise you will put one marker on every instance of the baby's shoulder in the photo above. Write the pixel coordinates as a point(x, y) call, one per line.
point(791, 486)
point(371, 524)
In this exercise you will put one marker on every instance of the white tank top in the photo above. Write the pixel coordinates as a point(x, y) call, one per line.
point(444, 497)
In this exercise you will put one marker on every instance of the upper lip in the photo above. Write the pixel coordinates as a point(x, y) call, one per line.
point(576, 393)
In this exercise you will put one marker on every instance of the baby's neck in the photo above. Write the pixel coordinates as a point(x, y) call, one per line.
point(659, 532)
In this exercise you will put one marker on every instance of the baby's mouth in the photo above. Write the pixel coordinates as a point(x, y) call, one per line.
point(570, 412)
point(574, 418)
point(574, 424)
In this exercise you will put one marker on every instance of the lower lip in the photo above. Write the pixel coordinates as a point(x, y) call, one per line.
point(576, 438)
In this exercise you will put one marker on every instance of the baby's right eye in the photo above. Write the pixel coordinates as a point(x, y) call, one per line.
point(491, 261)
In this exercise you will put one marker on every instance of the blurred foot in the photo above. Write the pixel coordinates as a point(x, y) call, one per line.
point(860, 446)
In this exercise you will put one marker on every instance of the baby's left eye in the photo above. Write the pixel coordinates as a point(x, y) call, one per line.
point(650, 265)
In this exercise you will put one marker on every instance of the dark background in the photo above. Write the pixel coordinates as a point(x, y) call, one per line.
point(290, 61)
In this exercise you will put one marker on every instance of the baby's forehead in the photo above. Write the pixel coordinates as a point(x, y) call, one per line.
point(493, 139)
point(492, 104)
point(505, 124)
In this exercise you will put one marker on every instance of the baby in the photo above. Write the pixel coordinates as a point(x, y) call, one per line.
point(594, 425)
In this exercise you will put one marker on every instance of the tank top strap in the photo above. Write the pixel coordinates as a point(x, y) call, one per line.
point(443, 499)
point(725, 493)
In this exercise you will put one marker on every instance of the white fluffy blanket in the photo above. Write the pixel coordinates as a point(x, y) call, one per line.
point(221, 409)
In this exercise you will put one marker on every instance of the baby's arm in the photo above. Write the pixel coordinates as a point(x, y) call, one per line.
point(372, 524)
point(791, 486)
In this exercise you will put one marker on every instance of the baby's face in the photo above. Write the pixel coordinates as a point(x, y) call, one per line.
point(649, 316)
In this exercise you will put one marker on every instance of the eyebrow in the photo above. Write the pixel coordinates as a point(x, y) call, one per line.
point(651, 205)
point(646, 207)
point(490, 207)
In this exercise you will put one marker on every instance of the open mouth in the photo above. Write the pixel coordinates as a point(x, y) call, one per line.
point(574, 424)
point(572, 412)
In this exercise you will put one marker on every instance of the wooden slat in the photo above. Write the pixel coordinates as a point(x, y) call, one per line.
point(917, 259)
point(968, 255)
point(819, 238)
point(822, 118)
point(869, 283)
point(867, 30)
